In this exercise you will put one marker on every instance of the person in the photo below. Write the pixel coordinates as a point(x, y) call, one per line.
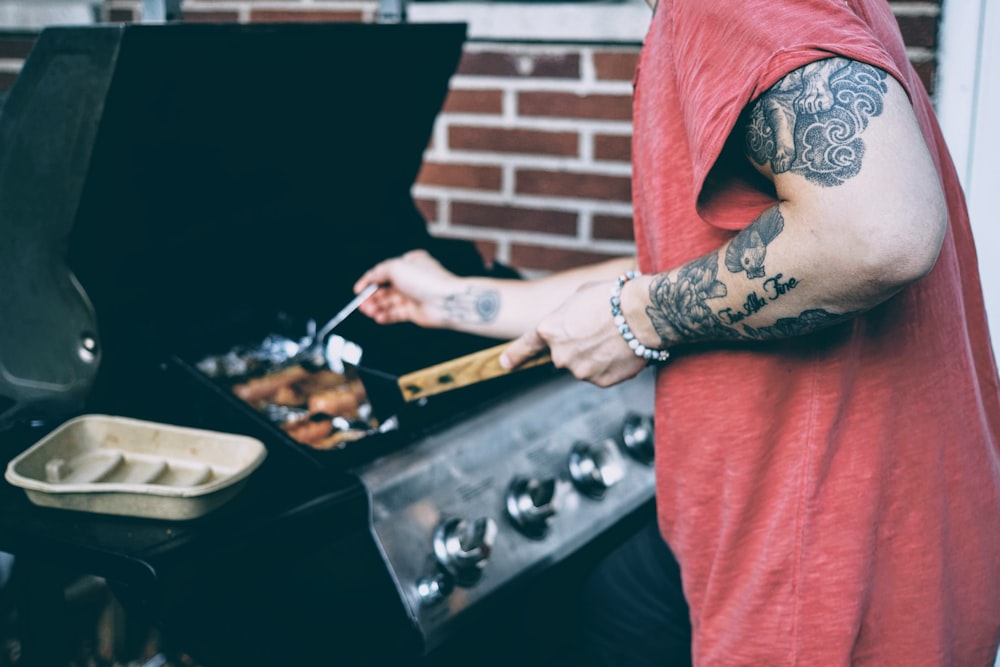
point(828, 420)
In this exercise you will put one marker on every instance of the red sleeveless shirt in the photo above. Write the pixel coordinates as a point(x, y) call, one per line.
point(832, 499)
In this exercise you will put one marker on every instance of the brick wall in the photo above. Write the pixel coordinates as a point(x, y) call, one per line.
point(530, 156)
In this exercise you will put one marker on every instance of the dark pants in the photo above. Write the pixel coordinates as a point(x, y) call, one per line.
point(634, 613)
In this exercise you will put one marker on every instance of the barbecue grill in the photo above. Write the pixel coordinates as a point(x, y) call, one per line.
point(169, 191)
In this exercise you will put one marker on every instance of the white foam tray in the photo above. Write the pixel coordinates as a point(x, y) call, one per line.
point(130, 467)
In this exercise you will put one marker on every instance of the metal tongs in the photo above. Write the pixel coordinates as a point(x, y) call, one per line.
point(319, 353)
point(285, 414)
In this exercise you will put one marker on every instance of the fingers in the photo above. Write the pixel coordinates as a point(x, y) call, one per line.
point(380, 274)
point(522, 349)
point(387, 306)
point(408, 282)
point(407, 267)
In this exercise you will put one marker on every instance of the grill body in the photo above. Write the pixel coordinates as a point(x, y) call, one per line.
point(167, 191)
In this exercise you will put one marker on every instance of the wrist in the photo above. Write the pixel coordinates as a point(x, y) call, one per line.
point(634, 301)
point(628, 310)
point(470, 302)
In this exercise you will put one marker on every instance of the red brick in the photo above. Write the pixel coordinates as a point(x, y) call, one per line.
point(15, 47)
point(612, 227)
point(616, 147)
point(474, 101)
point(571, 105)
point(508, 140)
point(460, 176)
point(615, 65)
point(525, 256)
point(919, 30)
point(492, 63)
point(428, 208)
point(202, 16)
point(569, 184)
point(304, 16)
point(513, 218)
point(7, 80)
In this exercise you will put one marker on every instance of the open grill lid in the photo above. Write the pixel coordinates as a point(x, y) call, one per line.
point(163, 184)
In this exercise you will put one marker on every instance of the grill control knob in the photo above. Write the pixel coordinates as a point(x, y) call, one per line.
point(637, 436)
point(462, 547)
point(530, 504)
point(433, 588)
point(594, 468)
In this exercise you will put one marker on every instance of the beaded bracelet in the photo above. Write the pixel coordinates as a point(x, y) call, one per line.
point(650, 354)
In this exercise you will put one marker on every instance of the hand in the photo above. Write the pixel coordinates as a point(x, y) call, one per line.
point(582, 338)
point(413, 290)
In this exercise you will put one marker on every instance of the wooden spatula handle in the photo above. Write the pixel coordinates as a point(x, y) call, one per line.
point(460, 372)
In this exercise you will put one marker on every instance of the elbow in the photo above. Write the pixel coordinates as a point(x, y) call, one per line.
point(925, 230)
point(908, 249)
point(911, 261)
point(922, 258)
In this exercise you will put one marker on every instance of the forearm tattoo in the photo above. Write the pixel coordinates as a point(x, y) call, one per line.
point(478, 306)
point(810, 122)
point(680, 310)
point(686, 309)
point(746, 252)
point(806, 322)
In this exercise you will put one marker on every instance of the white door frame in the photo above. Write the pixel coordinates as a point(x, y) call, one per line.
point(967, 98)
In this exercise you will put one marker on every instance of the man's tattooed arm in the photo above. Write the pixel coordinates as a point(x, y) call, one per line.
point(783, 277)
point(693, 305)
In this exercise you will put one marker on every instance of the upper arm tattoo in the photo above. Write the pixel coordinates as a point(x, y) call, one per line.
point(810, 123)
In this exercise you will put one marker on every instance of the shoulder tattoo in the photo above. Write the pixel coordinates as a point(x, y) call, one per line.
point(810, 123)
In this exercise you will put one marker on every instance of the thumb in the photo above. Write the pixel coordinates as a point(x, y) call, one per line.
point(522, 349)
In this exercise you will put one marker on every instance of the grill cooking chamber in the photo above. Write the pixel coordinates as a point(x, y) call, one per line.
point(191, 188)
